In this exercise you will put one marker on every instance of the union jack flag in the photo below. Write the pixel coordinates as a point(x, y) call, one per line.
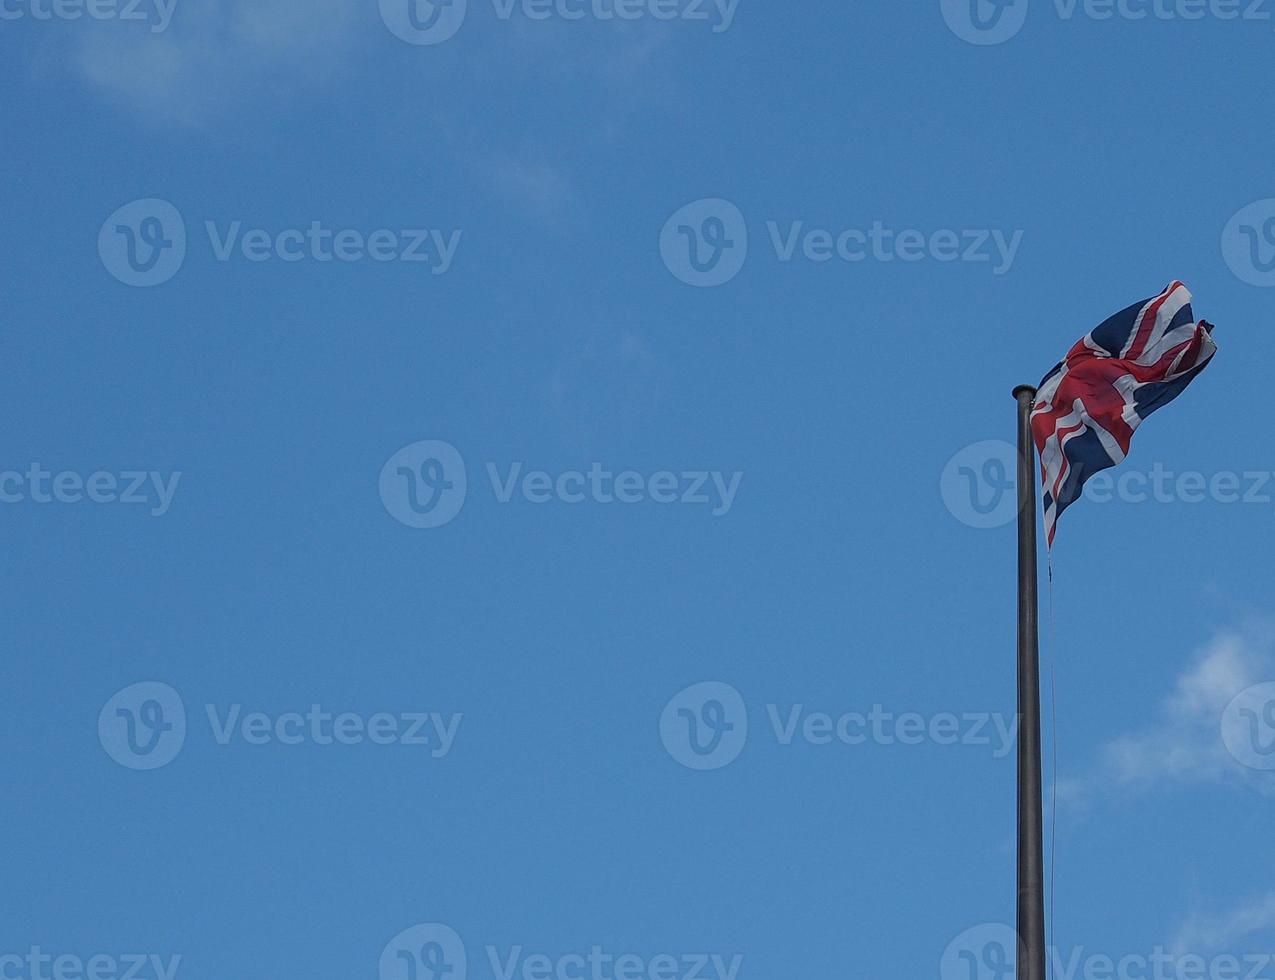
point(1088, 407)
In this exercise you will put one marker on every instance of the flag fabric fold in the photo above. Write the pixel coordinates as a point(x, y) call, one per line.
point(1088, 407)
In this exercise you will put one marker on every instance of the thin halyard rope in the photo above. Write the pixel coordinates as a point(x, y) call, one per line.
point(1053, 787)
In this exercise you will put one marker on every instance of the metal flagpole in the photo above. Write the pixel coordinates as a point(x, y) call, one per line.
point(1031, 858)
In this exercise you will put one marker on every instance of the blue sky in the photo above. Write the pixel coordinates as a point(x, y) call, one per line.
point(629, 479)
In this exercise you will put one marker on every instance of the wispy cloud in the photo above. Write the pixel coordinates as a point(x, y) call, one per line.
point(606, 389)
point(1184, 743)
point(216, 53)
point(1211, 932)
point(538, 189)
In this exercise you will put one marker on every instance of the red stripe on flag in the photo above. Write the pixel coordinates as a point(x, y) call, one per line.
point(1148, 321)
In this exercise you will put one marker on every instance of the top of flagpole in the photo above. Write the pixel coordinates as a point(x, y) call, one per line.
point(1030, 389)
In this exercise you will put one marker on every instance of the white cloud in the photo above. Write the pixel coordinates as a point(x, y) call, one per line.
point(538, 189)
point(1184, 743)
point(1203, 934)
point(218, 59)
point(216, 53)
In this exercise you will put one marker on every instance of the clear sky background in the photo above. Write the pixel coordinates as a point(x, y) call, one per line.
point(559, 337)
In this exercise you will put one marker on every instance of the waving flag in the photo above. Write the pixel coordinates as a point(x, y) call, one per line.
point(1088, 407)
